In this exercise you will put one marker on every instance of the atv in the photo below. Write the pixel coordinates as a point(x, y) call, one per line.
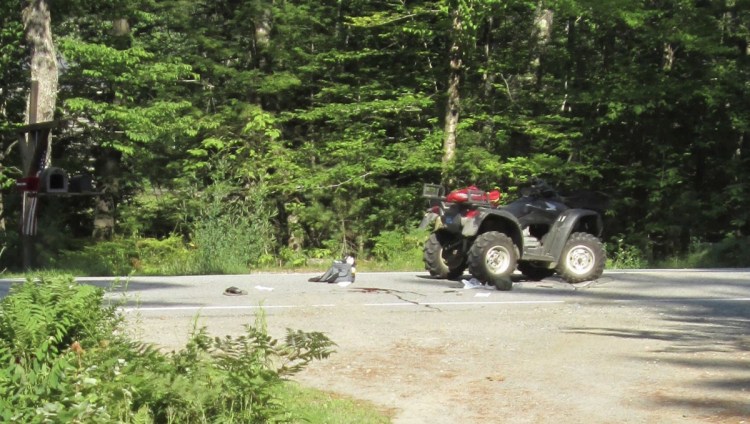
point(539, 234)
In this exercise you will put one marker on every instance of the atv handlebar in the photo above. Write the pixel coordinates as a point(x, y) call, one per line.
point(539, 188)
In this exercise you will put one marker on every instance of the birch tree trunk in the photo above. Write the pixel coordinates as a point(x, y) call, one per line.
point(41, 108)
point(38, 27)
point(542, 34)
point(453, 105)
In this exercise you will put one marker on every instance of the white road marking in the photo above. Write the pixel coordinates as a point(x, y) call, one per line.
point(405, 303)
point(684, 299)
point(412, 304)
point(509, 302)
point(215, 308)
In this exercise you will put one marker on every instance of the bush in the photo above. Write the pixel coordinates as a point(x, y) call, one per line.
point(169, 256)
point(622, 255)
point(731, 252)
point(232, 231)
point(125, 256)
point(114, 257)
point(44, 326)
point(64, 358)
point(400, 249)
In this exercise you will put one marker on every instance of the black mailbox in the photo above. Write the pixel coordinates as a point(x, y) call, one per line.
point(53, 180)
point(83, 183)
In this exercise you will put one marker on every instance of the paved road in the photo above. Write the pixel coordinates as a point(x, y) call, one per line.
point(188, 295)
point(633, 347)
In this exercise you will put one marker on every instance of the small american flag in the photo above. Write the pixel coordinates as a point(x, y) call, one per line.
point(28, 225)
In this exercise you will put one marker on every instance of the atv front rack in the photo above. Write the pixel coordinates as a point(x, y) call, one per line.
point(433, 192)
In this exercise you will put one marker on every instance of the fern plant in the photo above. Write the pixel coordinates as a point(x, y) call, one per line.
point(44, 316)
point(64, 358)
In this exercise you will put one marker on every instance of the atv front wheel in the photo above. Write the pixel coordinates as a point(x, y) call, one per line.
point(534, 272)
point(443, 257)
point(492, 258)
point(582, 258)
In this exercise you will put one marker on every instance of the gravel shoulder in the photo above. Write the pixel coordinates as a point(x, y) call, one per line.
point(640, 347)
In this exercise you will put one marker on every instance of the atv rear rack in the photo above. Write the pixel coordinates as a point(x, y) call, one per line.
point(475, 198)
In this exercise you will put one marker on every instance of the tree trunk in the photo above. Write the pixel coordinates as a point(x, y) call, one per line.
point(542, 34)
point(454, 97)
point(121, 33)
point(107, 169)
point(43, 65)
point(263, 26)
point(738, 157)
point(41, 108)
point(488, 77)
point(38, 26)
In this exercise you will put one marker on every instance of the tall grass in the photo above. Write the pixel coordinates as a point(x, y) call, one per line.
point(399, 250)
point(232, 230)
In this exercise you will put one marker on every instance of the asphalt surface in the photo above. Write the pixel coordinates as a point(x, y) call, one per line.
point(632, 347)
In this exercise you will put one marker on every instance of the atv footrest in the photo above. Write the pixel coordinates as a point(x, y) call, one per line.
point(536, 254)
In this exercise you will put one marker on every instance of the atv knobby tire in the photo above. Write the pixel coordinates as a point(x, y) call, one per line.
point(534, 272)
point(582, 258)
point(442, 256)
point(492, 259)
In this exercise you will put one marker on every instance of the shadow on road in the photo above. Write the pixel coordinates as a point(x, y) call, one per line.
point(108, 285)
point(709, 335)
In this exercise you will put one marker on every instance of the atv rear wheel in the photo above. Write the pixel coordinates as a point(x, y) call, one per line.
point(443, 256)
point(492, 258)
point(582, 258)
point(534, 272)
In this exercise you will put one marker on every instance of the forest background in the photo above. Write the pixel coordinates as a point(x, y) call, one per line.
point(229, 135)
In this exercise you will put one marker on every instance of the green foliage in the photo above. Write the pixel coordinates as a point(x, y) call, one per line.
point(114, 257)
point(232, 230)
point(126, 256)
point(43, 323)
point(400, 249)
point(621, 255)
point(336, 109)
point(64, 358)
point(44, 317)
point(732, 252)
point(292, 258)
point(169, 256)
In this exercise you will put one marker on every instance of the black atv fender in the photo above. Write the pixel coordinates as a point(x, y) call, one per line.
point(570, 221)
point(495, 220)
point(428, 220)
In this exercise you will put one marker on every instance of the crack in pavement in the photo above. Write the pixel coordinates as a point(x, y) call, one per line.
point(396, 293)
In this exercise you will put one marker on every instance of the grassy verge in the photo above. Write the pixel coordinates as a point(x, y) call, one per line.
point(314, 406)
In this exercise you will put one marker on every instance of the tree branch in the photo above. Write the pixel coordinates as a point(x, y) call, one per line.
point(337, 185)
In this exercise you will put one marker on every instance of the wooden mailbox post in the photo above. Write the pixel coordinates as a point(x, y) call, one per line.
point(39, 178)
point(33, 139)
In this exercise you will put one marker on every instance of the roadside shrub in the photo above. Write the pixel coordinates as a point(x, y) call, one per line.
point(291, 258)
point(622, 255)
point(103, 258)
point(64, 358)
point(232, 230)
point(44, 326)
point(125, 256)
point(44, 317)
point(732, 252)
point(400, 249)
point(169, 256)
